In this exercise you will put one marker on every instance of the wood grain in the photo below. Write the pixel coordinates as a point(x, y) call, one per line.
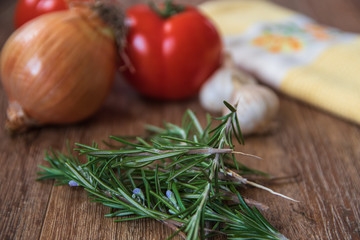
point(320, 150)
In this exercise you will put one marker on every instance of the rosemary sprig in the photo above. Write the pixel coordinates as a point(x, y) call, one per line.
point(183, 176)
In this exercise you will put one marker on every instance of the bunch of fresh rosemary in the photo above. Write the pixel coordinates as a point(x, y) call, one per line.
point(180, 176)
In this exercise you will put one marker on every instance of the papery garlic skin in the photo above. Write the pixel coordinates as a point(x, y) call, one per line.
point(220, 86)
point(217, 89)
point(59, 67)
point(257, 106)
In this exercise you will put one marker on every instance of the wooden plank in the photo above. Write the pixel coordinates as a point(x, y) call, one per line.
point(70, 215)
point(23, 201)
point(321, 150)
point(310, 145)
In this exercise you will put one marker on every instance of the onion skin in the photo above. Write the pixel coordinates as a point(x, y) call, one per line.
point(58, 68)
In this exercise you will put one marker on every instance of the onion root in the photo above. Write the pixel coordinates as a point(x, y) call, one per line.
point(17, 119)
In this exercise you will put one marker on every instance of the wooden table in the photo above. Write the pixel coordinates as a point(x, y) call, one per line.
point(321, 150)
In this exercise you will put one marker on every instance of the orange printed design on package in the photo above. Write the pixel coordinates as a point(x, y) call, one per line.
point(291, 38)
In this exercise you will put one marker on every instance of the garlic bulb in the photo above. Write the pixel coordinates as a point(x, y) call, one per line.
point(256, 106)
point(58, 68)
point(217, 89)
point(220, 86)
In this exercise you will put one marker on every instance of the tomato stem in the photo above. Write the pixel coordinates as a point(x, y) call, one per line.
point(169, 9)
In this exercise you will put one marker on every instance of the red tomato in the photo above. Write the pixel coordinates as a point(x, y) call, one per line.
point(170, 58)
point(29, 9)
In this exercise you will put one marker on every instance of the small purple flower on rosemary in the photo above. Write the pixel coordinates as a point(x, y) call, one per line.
point(139, 195)
point(169, 194)
point(72, 183)
point(137, 191)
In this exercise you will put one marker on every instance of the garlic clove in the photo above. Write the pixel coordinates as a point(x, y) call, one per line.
point(257, 107)
point(220, 86)
point(240, 78)
point(217, 89)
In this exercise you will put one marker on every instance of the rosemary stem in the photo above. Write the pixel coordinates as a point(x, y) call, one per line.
point(243, 180)
point(189, 152)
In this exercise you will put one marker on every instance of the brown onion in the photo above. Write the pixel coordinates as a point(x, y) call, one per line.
point(58, 68)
